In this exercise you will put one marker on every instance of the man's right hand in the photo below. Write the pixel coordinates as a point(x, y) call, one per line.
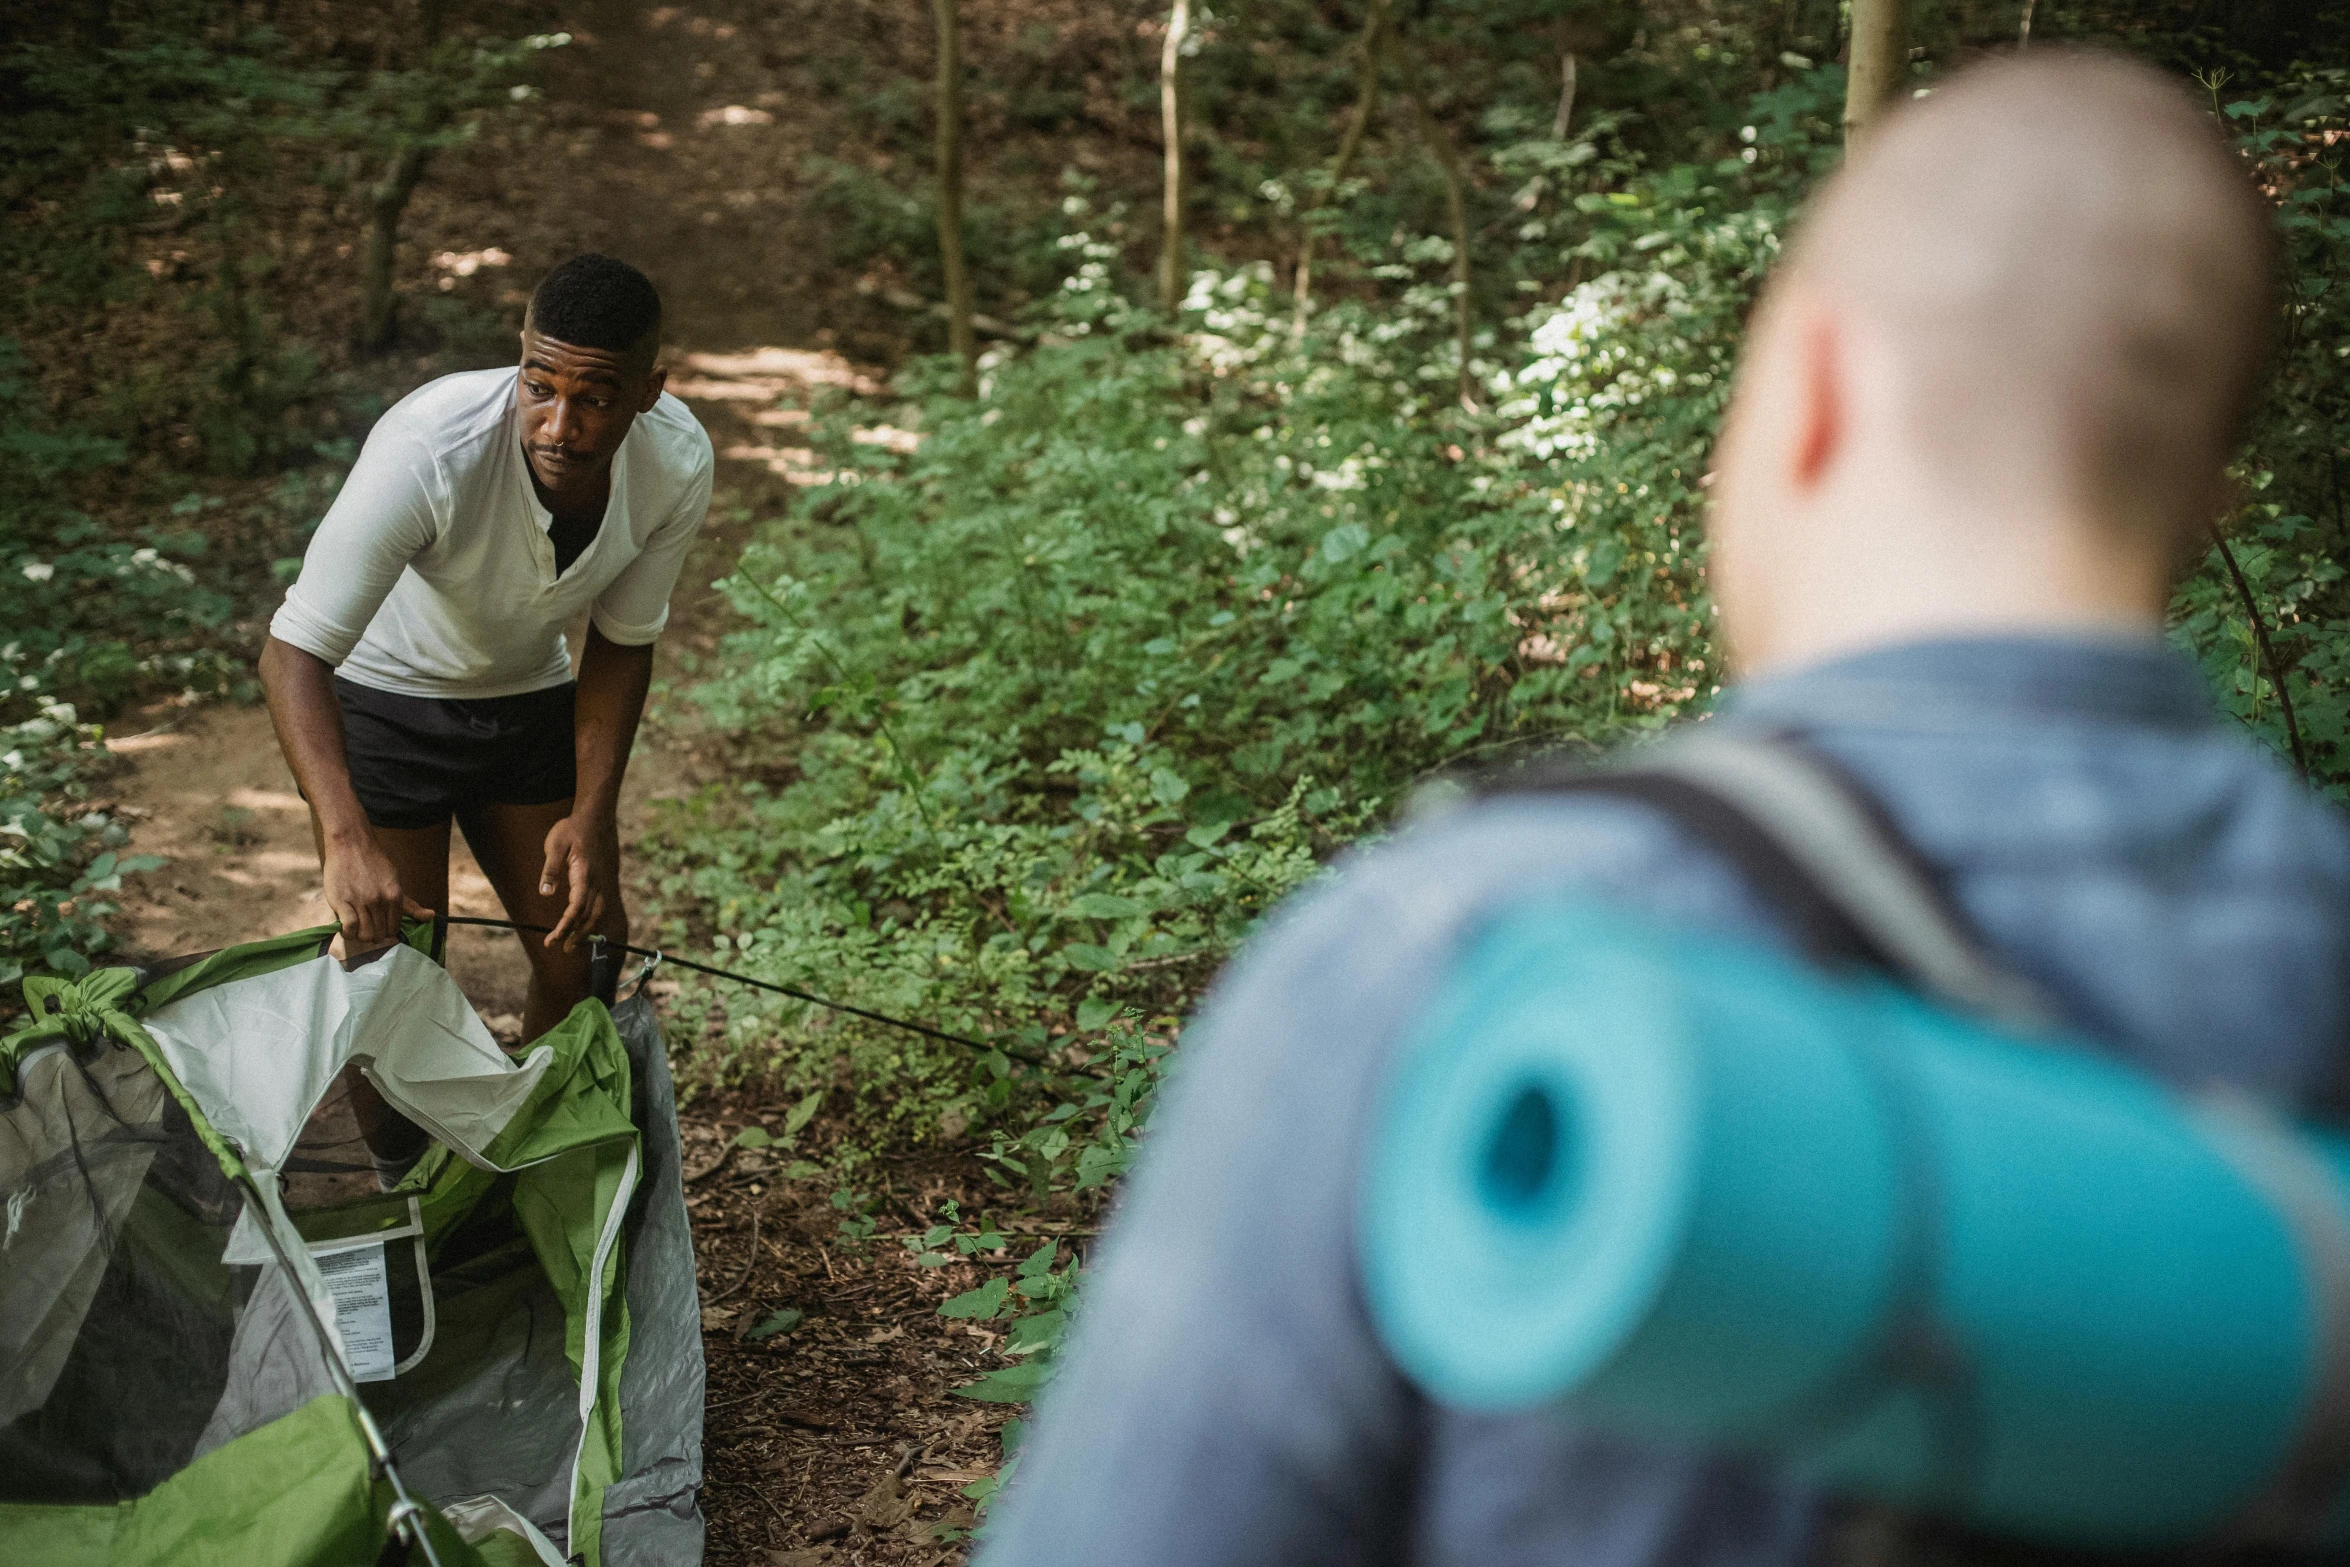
point(363, 890)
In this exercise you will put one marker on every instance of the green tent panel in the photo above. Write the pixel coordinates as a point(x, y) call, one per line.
point(220, 1340)
point(297, 1490)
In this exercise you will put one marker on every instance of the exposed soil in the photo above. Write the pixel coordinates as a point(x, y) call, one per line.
point(694, 141)
point(838, 1440)
point(673, 139)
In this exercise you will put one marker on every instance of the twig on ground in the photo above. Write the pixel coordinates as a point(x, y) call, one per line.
point(729, 1403)
point(760, 1492)
point(2268, 654)
point(749, 1267)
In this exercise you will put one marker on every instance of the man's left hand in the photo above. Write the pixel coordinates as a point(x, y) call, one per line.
point(583, 858)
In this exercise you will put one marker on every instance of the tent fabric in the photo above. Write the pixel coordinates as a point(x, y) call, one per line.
point(521, 1307)
point(259, 1053)
point(483, 1429)
point(650, 1515)
point(295, 1491)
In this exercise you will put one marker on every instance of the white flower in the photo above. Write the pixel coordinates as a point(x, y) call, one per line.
point(39, 571)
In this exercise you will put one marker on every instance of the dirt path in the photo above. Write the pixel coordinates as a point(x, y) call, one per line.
point(208, 789)
point(837, 1441)
point(696, 143)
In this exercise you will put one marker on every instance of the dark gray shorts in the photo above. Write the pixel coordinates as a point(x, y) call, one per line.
point(416, 761)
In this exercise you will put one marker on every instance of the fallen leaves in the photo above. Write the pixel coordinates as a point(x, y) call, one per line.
point(885, 1506)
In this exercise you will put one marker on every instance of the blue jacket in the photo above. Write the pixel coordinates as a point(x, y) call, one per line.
point(1224, 1400)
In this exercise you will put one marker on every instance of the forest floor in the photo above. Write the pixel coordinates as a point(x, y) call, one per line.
point(838, 1441)
point(676, 139)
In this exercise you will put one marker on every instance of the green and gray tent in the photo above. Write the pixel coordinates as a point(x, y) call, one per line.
point(221, 1342)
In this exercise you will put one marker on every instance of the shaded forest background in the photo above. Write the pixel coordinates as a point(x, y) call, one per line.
point(1054, 662)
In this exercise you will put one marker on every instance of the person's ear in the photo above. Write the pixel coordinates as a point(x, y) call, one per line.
point(1820, 393)
point(655, 380)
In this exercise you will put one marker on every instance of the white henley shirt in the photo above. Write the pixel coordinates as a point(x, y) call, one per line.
point(433, 574)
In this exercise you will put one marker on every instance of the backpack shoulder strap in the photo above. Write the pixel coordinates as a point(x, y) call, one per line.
point(1805, 834)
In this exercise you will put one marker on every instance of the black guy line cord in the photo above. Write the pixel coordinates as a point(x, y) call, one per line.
point(656, 956)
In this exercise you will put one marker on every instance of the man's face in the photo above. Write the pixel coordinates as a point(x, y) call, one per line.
point(577, 405)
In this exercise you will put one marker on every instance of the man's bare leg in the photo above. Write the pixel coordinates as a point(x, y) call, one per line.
point(510, 841)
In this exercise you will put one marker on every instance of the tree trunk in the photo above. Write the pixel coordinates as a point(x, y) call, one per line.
point(1456, 206)
point(960, 341)
point(2023, 31)
point(1171, 273)
point(386, 200)
point(1877, 67)
point(1366, 103)
point(1558, 126)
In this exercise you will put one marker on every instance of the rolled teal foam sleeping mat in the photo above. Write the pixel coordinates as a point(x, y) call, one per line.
point(1695, 1192)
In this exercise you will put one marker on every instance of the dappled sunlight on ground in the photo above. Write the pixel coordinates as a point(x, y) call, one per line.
point(760, 387)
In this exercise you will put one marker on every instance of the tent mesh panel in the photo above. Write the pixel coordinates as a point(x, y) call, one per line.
point(128, 1346)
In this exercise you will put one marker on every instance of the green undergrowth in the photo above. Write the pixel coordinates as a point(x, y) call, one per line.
point(1036, 719)
point(89, 617)
point(101, 613)
point(166, 429)
point(1041, 715)
point(2288, 531)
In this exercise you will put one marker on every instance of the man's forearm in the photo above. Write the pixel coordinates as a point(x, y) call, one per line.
point(309, 723)
point(613, 682)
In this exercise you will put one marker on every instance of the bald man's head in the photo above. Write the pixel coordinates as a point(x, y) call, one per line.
point(2036, 303)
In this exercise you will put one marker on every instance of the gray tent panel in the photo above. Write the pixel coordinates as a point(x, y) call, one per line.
point(650, 1517)
point(473, 1420)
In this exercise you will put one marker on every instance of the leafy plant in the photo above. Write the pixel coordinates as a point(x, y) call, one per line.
point(1034, 1302)
point(89, 618)
point(1049, 705)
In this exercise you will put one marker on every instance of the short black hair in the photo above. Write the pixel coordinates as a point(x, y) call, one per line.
point(593, 301)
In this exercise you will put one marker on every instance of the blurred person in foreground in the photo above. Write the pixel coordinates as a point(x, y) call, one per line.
point(1980, 427)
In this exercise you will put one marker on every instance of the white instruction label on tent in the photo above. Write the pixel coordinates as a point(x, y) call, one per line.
point(356, 1278)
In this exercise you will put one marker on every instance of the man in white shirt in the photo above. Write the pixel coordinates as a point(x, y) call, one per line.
point(417, 671)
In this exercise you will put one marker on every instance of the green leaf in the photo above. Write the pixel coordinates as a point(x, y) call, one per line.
point(1085, 955)
point(782, 1321)
point(1036, 1332)
point(1094, 1012)
point(1039, 1260)
point(1106, 906)
point(1167, 786)
point(801, 1170)
point(802, 1113)
point(1258, 759)
point(1344, 541)
point(1097, 1164)
point(1016, 1384)
point(753, 1137)
point(980, 1304)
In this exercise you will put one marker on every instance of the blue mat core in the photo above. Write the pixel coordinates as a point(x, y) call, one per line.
point(1530, 1162)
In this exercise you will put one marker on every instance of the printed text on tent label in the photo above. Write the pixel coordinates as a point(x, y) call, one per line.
point(363, 1308)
